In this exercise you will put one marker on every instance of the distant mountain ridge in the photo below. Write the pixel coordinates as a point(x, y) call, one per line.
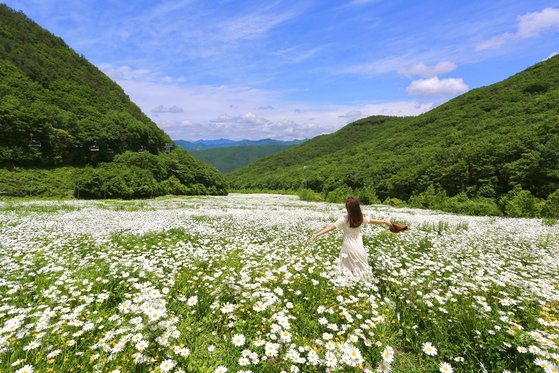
point(221, 143)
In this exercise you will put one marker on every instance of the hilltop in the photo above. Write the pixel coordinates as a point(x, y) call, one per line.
point(59, 110)
point(482, 144)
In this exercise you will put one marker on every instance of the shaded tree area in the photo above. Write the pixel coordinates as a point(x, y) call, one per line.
point(134, 175)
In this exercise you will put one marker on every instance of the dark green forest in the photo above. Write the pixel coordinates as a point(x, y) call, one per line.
point(57, 109)
point(497, 146)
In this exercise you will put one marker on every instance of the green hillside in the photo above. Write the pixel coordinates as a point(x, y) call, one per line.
point(482, 144)
point(50, 95)
point(295, 158)
point(227, 159)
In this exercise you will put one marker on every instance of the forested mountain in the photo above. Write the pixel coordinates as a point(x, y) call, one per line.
point(229, 158)
point(482, 144)
point(53, 97)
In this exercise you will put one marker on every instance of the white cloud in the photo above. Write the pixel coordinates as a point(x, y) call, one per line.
point(163, 9)
point(243, 119)
point(120, 73)
point(288, 121)
point(421, 69)
point(352, 115)
point(407, 64)
point(360, 2)
point(437, 87)
point(377, 67)
point(125, 72)
point(532, 24)
point(495, 42)
point(163, 109)
point(297, 54)
point(181, 31)
point(529, 25)
point(251, 26)
point(239, 112)
point(552, 54)
point(291, 124)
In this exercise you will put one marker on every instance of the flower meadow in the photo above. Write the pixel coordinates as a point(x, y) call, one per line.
point(229, 284)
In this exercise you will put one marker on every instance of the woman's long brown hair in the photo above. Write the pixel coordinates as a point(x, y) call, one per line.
point(354, 213)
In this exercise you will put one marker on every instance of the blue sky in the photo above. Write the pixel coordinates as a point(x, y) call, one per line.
point(243, 69)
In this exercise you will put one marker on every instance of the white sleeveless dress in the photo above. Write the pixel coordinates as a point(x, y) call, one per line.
point(353, 255)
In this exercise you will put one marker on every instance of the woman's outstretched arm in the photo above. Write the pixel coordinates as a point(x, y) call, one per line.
point(314, 236)
point(380, 222)
point(394, 228)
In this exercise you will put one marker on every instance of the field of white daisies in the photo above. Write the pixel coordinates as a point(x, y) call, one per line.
point(229, 284)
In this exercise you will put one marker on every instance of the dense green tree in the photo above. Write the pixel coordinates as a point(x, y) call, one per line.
point(550, 208)
point(519, 202)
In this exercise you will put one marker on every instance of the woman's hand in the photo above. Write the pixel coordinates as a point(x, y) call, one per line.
point(314, 236)
point(312, 239)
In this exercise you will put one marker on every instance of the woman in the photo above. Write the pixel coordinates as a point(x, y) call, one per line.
point(353, 256)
